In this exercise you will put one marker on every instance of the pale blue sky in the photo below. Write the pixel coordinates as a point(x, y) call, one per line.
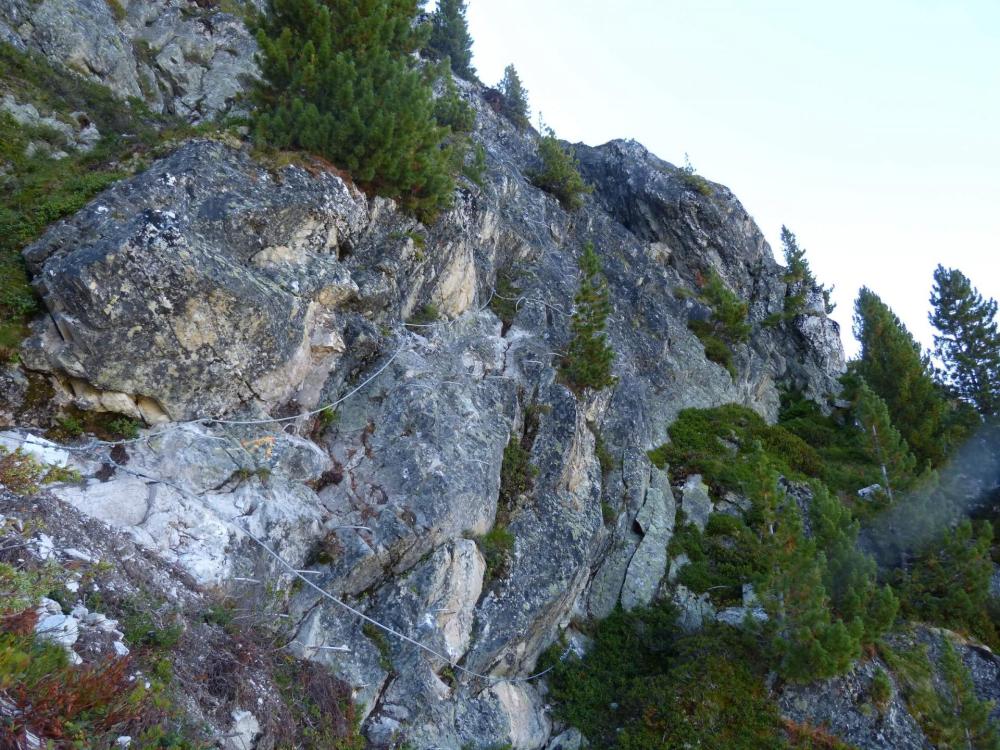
point(872, 129)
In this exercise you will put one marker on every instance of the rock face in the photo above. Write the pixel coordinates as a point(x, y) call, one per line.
point(179, 57)
point(213, 286)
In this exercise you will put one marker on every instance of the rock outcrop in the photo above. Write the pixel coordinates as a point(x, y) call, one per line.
point(213, 293)
point(846, 708)
point(183, 58)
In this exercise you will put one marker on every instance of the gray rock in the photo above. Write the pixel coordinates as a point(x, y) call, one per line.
point(555, 533)
point(631, 486)
point(40, 449)
point(74, 136)
point(244, 731)
point(190, 518)
point(801, 494)
point(844, 707)
point(870, 492)
point(737, 616)
point(649, 563)
point(55, 627)
point(571, 739)
point(693, 609)
point(696, 502)
point(192, 64)
point(173, 286)
point(81, 35)
point(733, 504)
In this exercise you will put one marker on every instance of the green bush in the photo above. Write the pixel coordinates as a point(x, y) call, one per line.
point(505, 299)
point(74, 422)
point(722, 444)
point(426, 315)
point(517, 473)
point(117, 9)
point(949, 582)
point(953, 717)
point(451, 111)
point(800, 280)
point(496, 546)
point(604, 455)
point(881, 690)
point(559, 173)
point(450, 39)
point(19, 472)
point(727, 324)
point(474, 165)
point(693, 180)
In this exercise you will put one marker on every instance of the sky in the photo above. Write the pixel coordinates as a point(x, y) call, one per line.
point(871, 129)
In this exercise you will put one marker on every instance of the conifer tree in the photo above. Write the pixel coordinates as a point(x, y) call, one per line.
point(515, 98)
point(799, 276)
point(891, 363)
point(882, 442)
point(950, 582)
point(589, 357)
point(967, 342)
point(450, 37)
point(849, 576)
point(808, 642)
point(338, 78)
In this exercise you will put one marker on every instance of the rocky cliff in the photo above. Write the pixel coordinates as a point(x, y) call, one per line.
point(321, 376)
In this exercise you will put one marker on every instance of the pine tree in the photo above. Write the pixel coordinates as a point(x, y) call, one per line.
point(808, 641)
point(893, 366)
point(799, 276)
point(515, 98)
point(882, 442)
point(450, 37)
point(967, 342)
point(949, 584)
point(849, 576)
point(589, 357)
point(338, 78)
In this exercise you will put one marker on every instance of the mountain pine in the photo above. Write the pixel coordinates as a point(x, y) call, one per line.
point(949, 583)
point(589, 358)
point(808, 640)
point(967, 342)
point(882, 442)
point(893, 366)
point(849, 575)
point(338, 78)
point(799, 276)
point(515, 98)
point(450, 37)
